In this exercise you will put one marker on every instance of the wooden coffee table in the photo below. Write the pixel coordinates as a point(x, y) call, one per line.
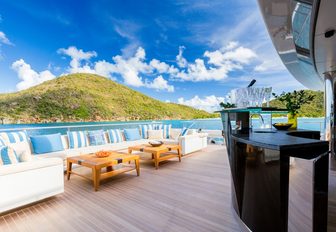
point(157, 152)
point(97, 164)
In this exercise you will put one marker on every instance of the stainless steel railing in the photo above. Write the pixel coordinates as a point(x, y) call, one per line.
point(63, 129)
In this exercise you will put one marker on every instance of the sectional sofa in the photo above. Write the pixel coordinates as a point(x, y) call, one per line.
point(39, 170)
point(189, 142)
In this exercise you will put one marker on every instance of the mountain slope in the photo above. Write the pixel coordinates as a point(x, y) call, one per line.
point(78, 97)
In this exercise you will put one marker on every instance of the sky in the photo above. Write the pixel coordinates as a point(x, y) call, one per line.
point(190, 52)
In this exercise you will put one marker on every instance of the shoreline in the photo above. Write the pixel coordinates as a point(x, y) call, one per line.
point(130, 121)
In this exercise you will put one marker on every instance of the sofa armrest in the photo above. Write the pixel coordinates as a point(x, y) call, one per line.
point(192, 143)
point(197, 135)
point(30, 165)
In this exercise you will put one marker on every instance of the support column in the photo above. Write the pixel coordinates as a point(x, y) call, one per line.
point(329, 101)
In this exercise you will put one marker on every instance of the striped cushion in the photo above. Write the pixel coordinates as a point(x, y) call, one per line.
point(8, 156)
point(184, 131)
point(115, 136)
point(166, 131)
point(2, 142)
point(13, 137)
point(157, 126)
point(96, 137)
point(144, 129)
point(77, 139)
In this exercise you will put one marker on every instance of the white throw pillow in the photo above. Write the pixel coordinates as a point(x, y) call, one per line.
point(174, 133)
point(21, 147)
point(25, 157)
point(155, 134)
point(192, 132)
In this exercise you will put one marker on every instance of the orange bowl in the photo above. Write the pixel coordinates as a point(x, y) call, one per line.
point(102, 154)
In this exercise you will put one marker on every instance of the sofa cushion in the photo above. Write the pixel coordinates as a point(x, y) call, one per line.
point(157, 126)
point(21, 148)
point(166, 131)
point(192, 132)
point(115, 136)
point(26, 166)
point(65, 141)
point(8, 156)
point(132, 134)
point(184, 131)
point(13, 137)
point(77, 139)
point(96, 137)
point(2, 141)
point(46, 143)
point(144, 129)
point(25, 157)
point(175, 133)
point(155, 134)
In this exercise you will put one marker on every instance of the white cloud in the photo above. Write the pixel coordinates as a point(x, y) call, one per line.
point(130, 69)
point(162, 67)
point(231, 45)
point(208, 103)
point(4, 39)
point(128, 30)
point(105, 69)
point(217, 64)
point(181, 61)
point(160, 83)
point(28, 76)
point(77, 56)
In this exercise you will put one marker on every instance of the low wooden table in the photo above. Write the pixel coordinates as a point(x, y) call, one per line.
point(97, 164)
point(158, 151)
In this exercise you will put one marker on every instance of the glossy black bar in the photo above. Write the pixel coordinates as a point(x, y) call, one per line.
point(260, 166)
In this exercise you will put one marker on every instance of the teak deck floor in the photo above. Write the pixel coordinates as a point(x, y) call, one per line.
point(193, 195)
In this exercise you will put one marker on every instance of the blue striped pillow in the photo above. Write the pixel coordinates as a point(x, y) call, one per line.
point(166, 131)
point(8, 156)
point(184, 131)
point(144, 129)
point(115, 136)
point(157, 126)
point(97, 137)
point(13, 137)
point(77, 139)
point(2, 141)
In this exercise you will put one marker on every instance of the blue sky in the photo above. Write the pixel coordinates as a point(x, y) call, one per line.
point(191, 52)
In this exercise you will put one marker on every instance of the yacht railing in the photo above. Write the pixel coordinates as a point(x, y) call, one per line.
point(63, 129)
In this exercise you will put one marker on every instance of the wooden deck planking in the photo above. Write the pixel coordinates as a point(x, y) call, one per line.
point(194, 195)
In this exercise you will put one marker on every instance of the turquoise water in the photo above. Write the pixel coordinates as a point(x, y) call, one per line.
point(209, 124)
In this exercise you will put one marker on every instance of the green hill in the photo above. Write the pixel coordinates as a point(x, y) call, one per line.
point(86, 97)
point(312, 109)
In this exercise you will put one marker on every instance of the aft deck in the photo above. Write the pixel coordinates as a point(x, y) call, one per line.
point(194, 195)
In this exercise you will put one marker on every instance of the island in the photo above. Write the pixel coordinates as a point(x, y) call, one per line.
point(260, 163)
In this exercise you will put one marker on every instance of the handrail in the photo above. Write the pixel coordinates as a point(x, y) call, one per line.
point(77, 126)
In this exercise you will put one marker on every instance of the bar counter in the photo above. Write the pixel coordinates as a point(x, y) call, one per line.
point(260, 163)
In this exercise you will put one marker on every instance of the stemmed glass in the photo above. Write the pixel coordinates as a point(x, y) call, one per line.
point(268, 95)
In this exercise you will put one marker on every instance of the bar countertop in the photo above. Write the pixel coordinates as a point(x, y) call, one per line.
point(283, 140)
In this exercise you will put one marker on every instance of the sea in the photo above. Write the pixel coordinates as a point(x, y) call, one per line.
point(204, 124)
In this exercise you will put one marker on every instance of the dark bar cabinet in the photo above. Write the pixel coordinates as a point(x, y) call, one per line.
point(260, 162)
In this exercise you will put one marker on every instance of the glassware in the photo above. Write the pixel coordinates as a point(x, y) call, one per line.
point(268, 95)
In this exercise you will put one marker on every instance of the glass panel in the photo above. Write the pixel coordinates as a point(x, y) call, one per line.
point(301, 25)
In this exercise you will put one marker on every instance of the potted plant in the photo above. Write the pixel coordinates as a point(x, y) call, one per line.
point(226, 105)
point(293, 102)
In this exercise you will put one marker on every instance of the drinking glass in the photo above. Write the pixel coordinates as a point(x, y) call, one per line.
point(268, 95)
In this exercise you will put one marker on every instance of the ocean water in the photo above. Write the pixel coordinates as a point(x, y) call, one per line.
point(205, 124)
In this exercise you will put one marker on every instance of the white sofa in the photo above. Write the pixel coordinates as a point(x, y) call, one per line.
point(31, 181)
point(189, 143)
point(43, 175)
